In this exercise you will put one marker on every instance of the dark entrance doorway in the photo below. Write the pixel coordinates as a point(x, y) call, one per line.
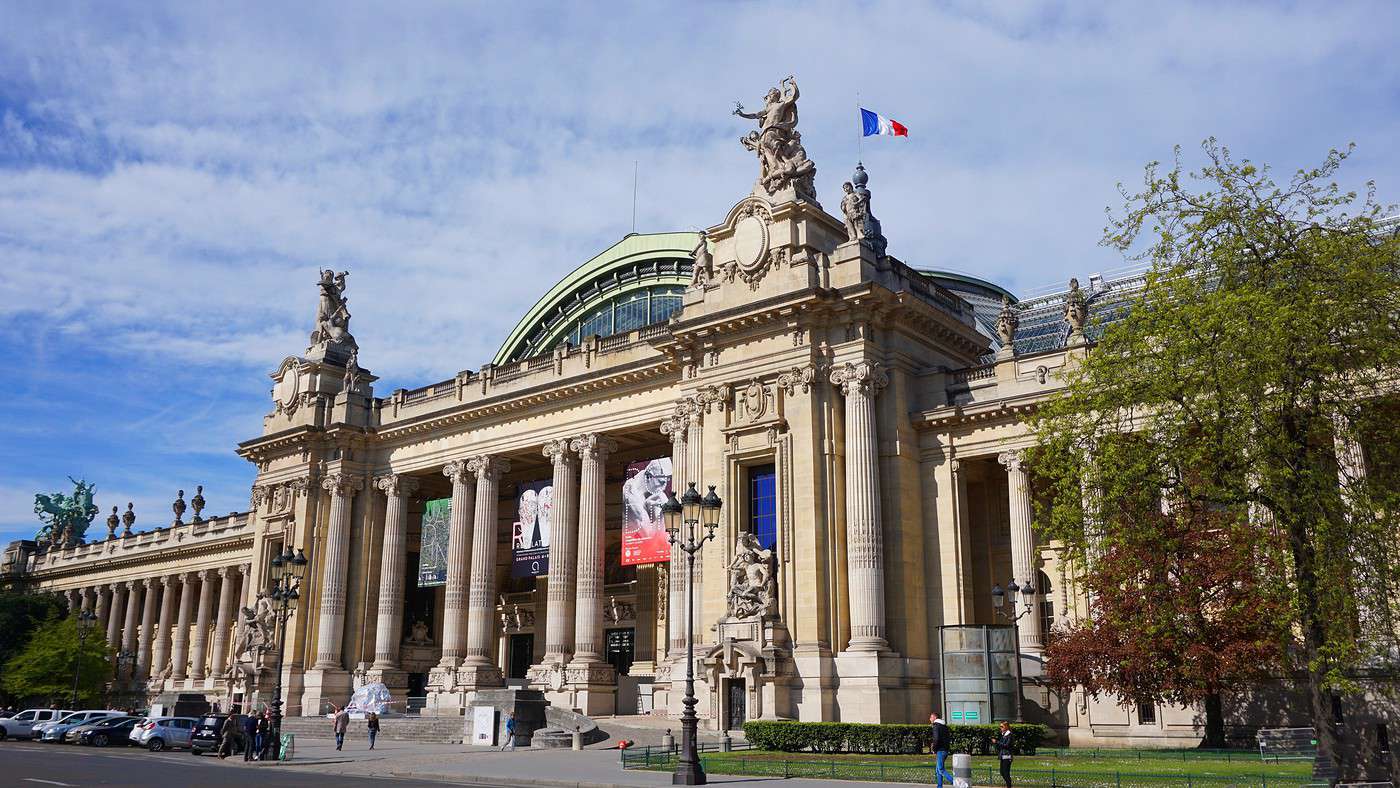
point(522, 652)
point(736, 709)
point(620, 648)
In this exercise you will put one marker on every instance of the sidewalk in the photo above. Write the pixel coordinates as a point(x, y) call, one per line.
point(467, 765)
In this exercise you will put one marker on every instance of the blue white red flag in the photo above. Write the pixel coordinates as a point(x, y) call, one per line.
point(875, 123)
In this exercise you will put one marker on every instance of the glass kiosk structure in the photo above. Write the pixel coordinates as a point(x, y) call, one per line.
point(980, 674)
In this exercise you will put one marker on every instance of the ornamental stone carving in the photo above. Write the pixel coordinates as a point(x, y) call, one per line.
point(197, 503)
point(342, 484)
point(752, 588)
point(703, 263)
point(112, 522)
point(1013, 461)
point(1076, 311)
point(1007, 322)
point(128, 518)
point(754, 256)
point(782, 161)
point(488, 466)
point(753, 401)
point(867, 378)
point(396, 485)
point(797, 377)
point(331, 336)
point(178, 507)
point(457, 472)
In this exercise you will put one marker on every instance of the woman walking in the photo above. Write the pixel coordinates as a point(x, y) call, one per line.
point(372, 725)
point(1004, 752)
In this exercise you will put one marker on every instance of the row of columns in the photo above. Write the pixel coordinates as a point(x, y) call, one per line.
point(136, 618)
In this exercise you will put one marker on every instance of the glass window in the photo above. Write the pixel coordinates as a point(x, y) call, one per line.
point(631, 312)
point(664, 304)
point(1147, 714)
point(763, 505)
point(600, 322)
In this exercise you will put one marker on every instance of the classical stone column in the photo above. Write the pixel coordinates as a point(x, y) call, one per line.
point(87, 598)
point(148, 623)
point(160, 652)
point(103, 607)
point(865, 568)
point(218, 650)
point(481, 602)
point(677, 428)
point(389, 626)
point(71, 595)
point(593, 451)
point(342, 488)
point(459, 548)
point(114, 614)
point(129, 624)
point(179, 647)
point(563, 537)
point(1023, 564)
point(199, 641)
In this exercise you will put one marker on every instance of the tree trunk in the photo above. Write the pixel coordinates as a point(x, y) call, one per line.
point(1215, 723)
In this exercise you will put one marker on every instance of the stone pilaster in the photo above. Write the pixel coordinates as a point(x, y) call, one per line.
point(477, 670)
point(199, 640)
point(148, 623)
point(1023, 558)
point(860, 384)
point(223, 622)
point(459, 550)
point(342, 489)
point(114, 614)
point(592, 680)
point(160, 651)
point(179, 647)
point(389, 625)
point(563, 539)
point(677, 429)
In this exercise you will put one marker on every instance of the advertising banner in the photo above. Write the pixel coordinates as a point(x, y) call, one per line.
point(432, 554)
point(529, 541)
point(644, 538)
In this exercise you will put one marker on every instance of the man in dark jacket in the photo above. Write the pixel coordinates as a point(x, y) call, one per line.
point(942, 743)
point(250, 733)
point(229, 734)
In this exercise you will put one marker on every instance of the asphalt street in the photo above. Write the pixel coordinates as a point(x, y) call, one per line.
point(35, 765)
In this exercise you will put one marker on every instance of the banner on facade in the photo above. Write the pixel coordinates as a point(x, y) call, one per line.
point(529, 541)
point(644, 539)
point(432, 552)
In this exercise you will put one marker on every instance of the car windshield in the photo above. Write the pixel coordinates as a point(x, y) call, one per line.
point(112, 721)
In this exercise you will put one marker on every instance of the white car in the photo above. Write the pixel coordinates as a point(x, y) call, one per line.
point(162, 733)
point(21, 726)
point(53, 731)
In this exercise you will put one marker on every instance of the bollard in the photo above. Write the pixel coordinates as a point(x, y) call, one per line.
point(668, 741)
point(726, 743)
point(578, 739)
point(962, 768)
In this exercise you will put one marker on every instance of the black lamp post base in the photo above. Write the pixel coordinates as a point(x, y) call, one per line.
point(688, 774)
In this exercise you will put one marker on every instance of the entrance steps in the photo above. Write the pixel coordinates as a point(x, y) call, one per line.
point(437, 730)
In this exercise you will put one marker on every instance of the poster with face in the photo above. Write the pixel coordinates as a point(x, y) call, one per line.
point(432, 554)
point(529, 542)
point(644, 539)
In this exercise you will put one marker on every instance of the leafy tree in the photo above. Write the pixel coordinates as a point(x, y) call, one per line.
point(1265, 337)
point(20, 613)
point(44, 667)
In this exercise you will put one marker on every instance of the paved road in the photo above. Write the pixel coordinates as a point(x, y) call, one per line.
point(35, 765)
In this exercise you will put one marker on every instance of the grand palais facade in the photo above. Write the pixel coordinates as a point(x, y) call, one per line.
point(860, 418)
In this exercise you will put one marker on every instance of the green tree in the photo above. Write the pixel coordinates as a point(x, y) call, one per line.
point(20, 613)
point(44, 668)
point(1266, 335)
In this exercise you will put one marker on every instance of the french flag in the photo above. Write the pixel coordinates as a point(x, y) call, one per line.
point(875, 123)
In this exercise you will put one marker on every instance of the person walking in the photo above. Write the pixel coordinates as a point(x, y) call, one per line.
point(372, 725)
point(1004, 752)
point(340, 723)
point(509, 743)
point(228, 735)
point(250, 736)
point(942, 742)
point(266, 736)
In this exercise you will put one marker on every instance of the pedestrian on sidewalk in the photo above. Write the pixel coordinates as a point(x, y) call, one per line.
point(250, 736)
point(228, 735)
point(942, 743)
point(1004, 752)
point(372, 725)
point(510, 734)
point(340, 723)
point(263, 738)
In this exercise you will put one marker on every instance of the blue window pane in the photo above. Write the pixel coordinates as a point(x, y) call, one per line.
point(600, 323)
point(763, 505)
point(631, 312)
point(663, 305)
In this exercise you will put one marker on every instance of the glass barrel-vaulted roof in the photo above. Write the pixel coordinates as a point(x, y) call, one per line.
point(635, 282)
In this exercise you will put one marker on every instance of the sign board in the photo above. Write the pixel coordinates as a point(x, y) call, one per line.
point(529, 540)
point(644, 539)
point(484, 725)
point(432, 554)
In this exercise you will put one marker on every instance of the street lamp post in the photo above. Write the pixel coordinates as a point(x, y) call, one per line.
point(288, 570)
point(999, 599)
point(86, 620)
point(690, 511)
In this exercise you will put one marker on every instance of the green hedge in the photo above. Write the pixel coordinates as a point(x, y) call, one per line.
point(906, 739)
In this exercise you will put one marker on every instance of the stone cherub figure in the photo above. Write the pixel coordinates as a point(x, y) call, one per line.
point(703, 269)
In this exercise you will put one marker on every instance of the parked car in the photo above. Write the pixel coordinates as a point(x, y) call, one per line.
point(21, 726)
point(159, 733)
point(54, 731)
point(113, 730)
point(206, 734)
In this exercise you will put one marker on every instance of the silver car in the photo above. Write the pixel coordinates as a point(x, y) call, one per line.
point(53, 731)
point(21, 726)
point(160, 733)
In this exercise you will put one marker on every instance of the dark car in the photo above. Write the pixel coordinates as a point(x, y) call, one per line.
point(206, 734)
point(116, 730)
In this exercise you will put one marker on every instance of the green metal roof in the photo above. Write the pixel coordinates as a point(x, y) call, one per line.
point(631, 249)
point(934, 273)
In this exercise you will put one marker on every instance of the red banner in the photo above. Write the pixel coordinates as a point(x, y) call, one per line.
point(644, 539)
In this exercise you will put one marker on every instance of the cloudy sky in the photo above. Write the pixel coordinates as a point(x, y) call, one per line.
point(171, 177)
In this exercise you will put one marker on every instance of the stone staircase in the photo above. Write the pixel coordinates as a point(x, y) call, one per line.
point(437, 730)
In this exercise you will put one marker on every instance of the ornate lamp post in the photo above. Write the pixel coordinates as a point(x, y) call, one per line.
point(690, 511)
point(86, 620)
point(125, 661)
point(288, 570)
point(999, 599)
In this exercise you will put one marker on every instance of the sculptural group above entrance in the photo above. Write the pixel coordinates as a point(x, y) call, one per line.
point(782, 160)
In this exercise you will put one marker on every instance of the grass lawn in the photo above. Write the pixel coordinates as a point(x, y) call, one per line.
point(1095, 768)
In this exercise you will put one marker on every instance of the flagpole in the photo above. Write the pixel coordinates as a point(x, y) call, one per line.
point(861, 135)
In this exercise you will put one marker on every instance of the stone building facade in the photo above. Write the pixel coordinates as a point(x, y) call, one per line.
point(865, 414)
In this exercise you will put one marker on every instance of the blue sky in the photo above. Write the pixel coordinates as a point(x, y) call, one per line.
point(172, 175)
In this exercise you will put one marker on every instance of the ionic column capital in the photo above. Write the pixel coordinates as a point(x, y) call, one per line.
point(675, 428)
point(224, 571)
point(1013, 461)
point(148, 582)
point(488, 466)
point(866, 377)
point(342, 484)
point(457, 471)
point(558, 451)
point(130, 584)
point(245, 569)
point(593, 446)
point(202, 574)
point(396, 485)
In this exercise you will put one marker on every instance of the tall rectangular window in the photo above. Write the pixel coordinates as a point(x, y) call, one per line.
point(763, 505)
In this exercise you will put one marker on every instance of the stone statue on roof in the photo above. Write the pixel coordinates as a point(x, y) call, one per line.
point(703, 268)
point(332, 332)
point(782, 161)
point(1076, 311)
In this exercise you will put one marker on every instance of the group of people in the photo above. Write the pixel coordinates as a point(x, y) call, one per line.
point(340, 723)
point(943, 744)
point(250, 733)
